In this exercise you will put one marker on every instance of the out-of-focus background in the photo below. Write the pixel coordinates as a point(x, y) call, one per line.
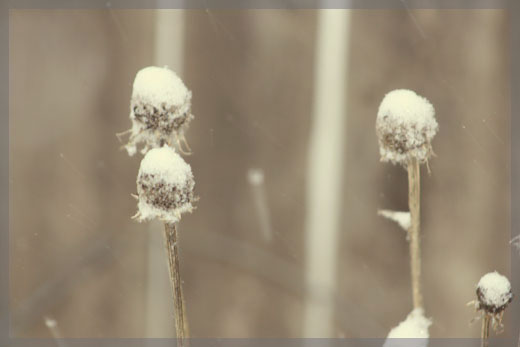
point(265, 84)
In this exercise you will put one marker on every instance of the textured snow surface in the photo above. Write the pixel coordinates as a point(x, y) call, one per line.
point(405, 126)
point(401, 218)
point(414, 326)
point(168, 186)
point(157, 85)
point(495, 289)
point(409, 108)
point(166, 164)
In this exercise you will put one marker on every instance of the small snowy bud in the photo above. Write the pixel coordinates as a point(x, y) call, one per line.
point(164, 186)
point(160, 108)
point(415, 326)
point(405, 127)
point(493, 293)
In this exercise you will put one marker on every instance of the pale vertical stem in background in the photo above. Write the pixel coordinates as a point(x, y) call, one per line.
point(255, 177)
point(169, 47)
point(55, 331)
point(325, 168)
point(169, 38)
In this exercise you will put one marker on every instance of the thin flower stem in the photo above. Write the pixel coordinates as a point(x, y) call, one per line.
point(181, 324)
point(414, 202)
point(186, 323)
point(485, 330)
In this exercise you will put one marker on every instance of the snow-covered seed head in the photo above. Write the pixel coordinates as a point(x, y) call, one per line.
point(405, 127)
point(160, 108)
point(493, 293)
point(164, 186)
point(415, 326)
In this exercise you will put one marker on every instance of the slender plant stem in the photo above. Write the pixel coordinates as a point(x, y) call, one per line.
point(172, 249)
point(186, 323)
point(485, 330)
point(414, 203)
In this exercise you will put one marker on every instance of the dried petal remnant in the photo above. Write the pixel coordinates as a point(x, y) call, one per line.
point(405, 127)
point(164, 185)
point(160, 109)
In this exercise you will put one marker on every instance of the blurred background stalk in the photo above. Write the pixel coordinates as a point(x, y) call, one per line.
point(325, 171)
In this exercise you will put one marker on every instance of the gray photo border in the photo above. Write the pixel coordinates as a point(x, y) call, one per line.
point(513, 6)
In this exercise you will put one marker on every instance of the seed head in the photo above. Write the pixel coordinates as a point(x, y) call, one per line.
point(493, 293)
point(415, 326)
point(164, 186)
point(160, 108)
point(405, 127)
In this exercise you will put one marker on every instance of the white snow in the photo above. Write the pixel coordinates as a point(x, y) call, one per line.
point(401, 218)
point(414, 326)
point(169, 169)
point(157, 85)
point(166, 164)
point(406, 106)
point(405, 126)
point(495, 288)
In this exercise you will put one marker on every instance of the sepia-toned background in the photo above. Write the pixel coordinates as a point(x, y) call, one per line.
point(77, 258)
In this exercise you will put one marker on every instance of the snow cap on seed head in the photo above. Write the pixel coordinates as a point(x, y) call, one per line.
point(164, 186)
point(494, 293)
point(160, 108)
point(405, 127)
point(414, 326)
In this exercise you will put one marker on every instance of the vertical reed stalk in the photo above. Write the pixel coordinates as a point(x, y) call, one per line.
point(181, 324)
point(414, 202)
point(485, 330)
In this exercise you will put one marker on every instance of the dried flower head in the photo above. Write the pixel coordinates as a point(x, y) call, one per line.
point(164, 186)
point(405, 127)
point(493, 293)
point(160, 109)
point(415, 326)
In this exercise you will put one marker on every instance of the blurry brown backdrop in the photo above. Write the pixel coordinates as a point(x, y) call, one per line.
point(76, 256)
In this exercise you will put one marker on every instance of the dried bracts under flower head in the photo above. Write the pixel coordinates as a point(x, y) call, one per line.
point(164, 186)
point(405, 127)
point(160, 109)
